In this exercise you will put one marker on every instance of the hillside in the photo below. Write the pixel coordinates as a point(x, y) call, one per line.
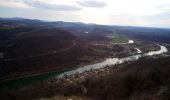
point(29, 49)
point(146, 78)
point(35, 54)
point(79, 29)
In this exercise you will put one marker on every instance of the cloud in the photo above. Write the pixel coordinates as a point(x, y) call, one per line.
point(160, 16)
point(164, 8)
point(12, 4)
point(92, 3)
point(54, 7)
point(47, 6)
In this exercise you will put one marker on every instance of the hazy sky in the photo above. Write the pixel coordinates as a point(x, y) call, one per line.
point(113, 12)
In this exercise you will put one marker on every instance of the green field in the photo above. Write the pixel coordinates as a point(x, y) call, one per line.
point(120, 39)
point(17, 83)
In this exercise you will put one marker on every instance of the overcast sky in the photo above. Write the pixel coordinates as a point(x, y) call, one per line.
point(152, 13)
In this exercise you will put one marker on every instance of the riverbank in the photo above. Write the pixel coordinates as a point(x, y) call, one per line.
point(144, 79)
point(114, 61)
point(87, 74)
point(18, 82)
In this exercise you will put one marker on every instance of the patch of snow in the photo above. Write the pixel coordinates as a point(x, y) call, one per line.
point(86, 32)
point(138, 50)
point(109, 36)
point(130, 41)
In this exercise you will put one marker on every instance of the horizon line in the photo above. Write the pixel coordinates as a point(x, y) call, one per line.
point(43, 20)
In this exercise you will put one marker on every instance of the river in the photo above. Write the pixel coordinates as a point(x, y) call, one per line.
point(13, 84)
point(114, 61)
